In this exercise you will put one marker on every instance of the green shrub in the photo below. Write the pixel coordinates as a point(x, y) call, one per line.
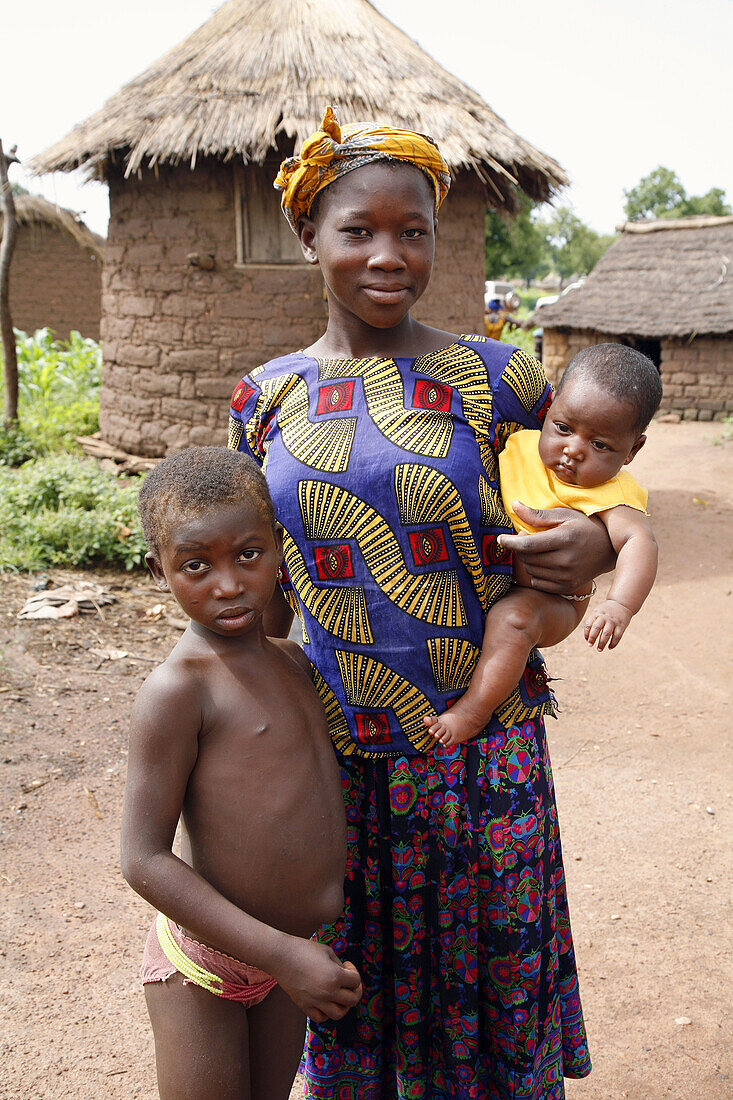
point(521, 338)
point(58, 389)
point(16, 447)
point(529, 299)
point(62, 511)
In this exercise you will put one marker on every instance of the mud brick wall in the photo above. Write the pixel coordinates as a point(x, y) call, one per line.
point(559, 346)
point(176, 339)
point(698, 377)
point(455, 298)
point(54, 283)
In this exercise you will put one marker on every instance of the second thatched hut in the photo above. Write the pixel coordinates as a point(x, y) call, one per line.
point(203, 279)
point(56, 273)
point(666, 288)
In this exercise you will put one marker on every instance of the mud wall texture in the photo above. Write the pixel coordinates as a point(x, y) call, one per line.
point(697, 374)
point(54, 283)
point(182, 320)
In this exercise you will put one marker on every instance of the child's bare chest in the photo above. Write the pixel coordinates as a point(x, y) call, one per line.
point(264, 792)
point(255, 718)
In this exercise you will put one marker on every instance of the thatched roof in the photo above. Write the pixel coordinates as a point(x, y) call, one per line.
point(35, 210)
point(672, 277)
point(257, 76)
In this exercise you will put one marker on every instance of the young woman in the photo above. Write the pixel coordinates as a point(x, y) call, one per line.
point(379, 444)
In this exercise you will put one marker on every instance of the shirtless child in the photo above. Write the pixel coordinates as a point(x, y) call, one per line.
point(229, 735)
point(594, 427)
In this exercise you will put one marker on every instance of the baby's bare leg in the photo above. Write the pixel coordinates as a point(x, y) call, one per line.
point(518, 622)
point(201, 1042)
point(276, 1037)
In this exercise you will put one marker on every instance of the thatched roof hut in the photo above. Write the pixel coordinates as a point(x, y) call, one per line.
point(256, 76)
point(56, 271)
point(34, 211)
point(666, 287)
point(201, 267)
point(671, 277)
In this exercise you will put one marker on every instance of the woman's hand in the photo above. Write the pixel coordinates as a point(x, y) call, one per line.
point(569, 552)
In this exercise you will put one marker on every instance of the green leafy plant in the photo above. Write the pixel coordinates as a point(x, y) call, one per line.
point(58, 389)
point(16, 446)
point(519, 337)
point(60, 511)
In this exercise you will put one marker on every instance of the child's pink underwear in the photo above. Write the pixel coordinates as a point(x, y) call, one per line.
point(168, 951)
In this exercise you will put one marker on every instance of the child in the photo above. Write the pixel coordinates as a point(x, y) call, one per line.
point(229, 735)
point(594, 427)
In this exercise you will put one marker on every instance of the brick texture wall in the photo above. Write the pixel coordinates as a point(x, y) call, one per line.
point(697, 375)
point(455, 298)
point(559, 347)
point(176, 338)
point(54, 283)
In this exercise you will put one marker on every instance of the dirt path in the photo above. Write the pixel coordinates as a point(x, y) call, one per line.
point(643, 774)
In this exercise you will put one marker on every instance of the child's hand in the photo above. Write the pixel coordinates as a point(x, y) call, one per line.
point(317, 981)
point(605, 624)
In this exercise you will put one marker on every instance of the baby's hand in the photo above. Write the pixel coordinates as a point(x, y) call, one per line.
point(605, 624)
point(317, 981)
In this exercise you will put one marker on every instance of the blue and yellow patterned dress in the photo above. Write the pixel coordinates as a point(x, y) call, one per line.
point(384, 475)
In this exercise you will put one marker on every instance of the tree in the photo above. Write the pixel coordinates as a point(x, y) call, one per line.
point(709, 203)
point(661, 195)
point(516, 247)
point(575, 248)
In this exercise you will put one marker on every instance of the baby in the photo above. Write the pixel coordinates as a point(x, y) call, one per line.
point(229, 736)
point(594, 427)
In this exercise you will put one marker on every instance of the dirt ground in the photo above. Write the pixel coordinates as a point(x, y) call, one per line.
point(643, 773)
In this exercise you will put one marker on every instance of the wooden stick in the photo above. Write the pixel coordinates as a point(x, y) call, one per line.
point(10, 232)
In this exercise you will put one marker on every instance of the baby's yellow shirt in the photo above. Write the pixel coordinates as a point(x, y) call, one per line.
point(523, 476)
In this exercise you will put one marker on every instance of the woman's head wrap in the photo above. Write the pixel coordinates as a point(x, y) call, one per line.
point(332, 151)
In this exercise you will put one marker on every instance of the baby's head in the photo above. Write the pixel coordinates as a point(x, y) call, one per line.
point(595, 425)
point(212, 536)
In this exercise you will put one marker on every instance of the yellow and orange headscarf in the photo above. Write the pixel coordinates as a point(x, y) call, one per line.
point(332, 151)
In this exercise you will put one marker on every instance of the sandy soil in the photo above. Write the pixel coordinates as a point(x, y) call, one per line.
point(643, 774)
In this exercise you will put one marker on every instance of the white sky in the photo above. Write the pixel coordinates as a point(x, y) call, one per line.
point(610, 88)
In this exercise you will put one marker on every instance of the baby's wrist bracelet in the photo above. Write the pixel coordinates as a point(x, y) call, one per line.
point(587, 596)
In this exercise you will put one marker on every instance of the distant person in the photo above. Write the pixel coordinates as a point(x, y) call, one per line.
point(594, 427)
point(229, 736)
point(498, 314)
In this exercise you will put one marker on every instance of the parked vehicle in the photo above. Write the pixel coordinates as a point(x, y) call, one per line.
point(496, 292)
point(548, 299)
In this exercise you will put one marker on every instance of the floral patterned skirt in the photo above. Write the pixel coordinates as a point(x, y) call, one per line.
point(457, 920)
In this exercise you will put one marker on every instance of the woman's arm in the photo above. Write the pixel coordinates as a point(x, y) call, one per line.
point(570, 551)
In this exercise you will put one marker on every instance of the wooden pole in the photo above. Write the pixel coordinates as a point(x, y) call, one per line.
point(10, 232)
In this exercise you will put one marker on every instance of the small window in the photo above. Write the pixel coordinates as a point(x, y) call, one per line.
point(263, 233)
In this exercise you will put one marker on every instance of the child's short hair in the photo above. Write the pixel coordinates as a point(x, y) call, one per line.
point(624, 372)
point(193, 480)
